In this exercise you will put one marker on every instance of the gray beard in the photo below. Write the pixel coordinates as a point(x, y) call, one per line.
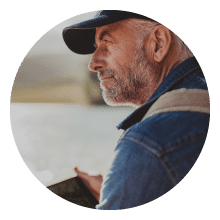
point(142, 78)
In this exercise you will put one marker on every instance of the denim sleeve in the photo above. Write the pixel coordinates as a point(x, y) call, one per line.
point(136, 176)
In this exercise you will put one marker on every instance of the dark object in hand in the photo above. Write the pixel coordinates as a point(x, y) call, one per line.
point(74, 190)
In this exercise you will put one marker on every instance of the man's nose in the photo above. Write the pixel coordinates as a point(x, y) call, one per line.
point(97, 63)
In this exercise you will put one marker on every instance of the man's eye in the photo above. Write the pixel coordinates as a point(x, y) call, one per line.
point(106, 40)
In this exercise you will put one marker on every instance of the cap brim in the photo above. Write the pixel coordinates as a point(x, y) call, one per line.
point(80, 38)
point(80, 41)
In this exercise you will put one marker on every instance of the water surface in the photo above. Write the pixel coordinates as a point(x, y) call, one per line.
point(54, 138)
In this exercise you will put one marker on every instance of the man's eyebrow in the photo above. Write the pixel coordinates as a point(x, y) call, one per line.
point(103, 33)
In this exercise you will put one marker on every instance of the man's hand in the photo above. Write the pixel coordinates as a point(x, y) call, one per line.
point(93, 183)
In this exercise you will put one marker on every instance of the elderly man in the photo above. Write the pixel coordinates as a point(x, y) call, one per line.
point(138, 62)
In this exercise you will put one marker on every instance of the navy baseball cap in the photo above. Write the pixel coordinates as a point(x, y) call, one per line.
point(80, 37)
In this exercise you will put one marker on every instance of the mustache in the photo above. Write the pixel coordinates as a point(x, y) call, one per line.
point(107, 72)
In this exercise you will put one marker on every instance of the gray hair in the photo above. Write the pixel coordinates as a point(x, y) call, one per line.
point(142, 29)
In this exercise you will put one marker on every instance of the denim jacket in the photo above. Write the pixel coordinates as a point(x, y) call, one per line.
point(153, 155)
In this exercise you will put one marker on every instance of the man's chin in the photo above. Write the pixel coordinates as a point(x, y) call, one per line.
point(113, 101)
point(109, 98)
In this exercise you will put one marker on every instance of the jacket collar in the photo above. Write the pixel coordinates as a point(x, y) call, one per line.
point(169, 83)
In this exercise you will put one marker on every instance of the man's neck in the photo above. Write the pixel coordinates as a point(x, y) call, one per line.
point(168, 65)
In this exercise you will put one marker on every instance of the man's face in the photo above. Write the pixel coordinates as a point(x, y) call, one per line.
point(126, 77)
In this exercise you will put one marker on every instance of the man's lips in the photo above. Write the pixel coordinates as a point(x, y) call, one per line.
point(106, 77)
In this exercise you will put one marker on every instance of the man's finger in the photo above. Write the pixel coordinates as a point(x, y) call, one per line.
point(81, 174)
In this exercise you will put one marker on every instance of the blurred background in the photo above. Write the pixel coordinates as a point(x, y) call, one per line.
point(58, 117)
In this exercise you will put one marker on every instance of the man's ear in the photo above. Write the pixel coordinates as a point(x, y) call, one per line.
point(159, 42)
